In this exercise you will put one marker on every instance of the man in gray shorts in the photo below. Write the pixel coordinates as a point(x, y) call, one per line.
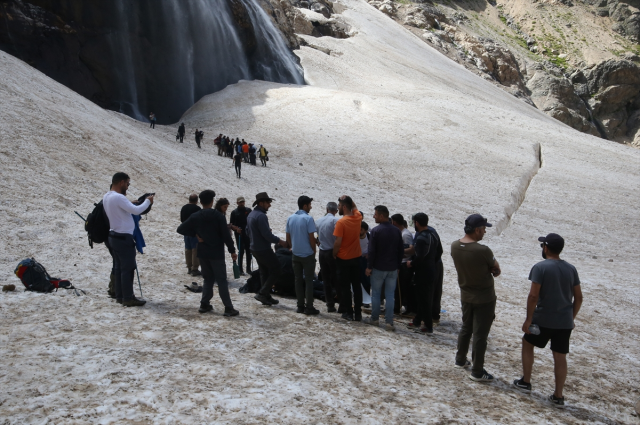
point(553, 303)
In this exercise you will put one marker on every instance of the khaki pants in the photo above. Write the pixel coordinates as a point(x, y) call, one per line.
point(191, 256)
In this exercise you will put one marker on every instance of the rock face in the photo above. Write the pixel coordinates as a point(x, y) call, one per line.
point(143, 56)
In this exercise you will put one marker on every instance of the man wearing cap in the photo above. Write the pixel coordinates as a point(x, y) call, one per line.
point(261, 240)
point(239, 219)
point(301, 237)
point(476, 267)
point(553, 304)
point(326, 225)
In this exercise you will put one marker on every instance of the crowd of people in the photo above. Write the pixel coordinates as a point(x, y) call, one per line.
point(403, 270)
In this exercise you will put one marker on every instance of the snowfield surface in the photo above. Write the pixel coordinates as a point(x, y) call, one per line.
point(385, 119)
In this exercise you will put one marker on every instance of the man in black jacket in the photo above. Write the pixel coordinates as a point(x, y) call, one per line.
point(427, 250)
point(210, 227)
point(239, 219)
point(181, 132)
point(191, 243)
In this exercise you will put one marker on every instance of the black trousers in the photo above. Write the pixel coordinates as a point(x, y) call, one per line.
point(112, 289)
point(124, 250)
point(436, 308)
point(424, 279)
point(181, 137)
point(349, 280)
point(239, 170)
point(269, 270)
point(329, 277)
point(243, 244)
point(215, 271)
point(406, 289)
point(263, 161)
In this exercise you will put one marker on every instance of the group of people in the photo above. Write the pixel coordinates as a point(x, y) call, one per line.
point(392, 254)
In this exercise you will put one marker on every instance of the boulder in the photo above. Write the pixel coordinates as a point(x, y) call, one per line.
point(322, 9)
point(626, 18)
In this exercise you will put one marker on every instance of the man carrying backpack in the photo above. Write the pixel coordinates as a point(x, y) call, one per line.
point(119, 211)
point(263, 155)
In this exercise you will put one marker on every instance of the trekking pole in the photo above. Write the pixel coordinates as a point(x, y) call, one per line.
point(139, 286)
point(80, 216)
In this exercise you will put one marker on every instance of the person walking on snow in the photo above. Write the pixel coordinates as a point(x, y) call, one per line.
point(237, 162)
point(152, 120)
point(554, 301)
point(263, 152)
point(181, 132)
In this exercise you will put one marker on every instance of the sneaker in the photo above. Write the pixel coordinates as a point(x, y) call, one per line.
point(300, 309)
point(264, 300)
point(347, 316)
point(205, 308)
point(371, 322)
point(230, 312)
point(482, 377)
point(331, 309)
point(426, 331)
point(196, 273)
point(273, 300)
point(133, 302)
point(464, 365)
point(389, 327)
point(188, 271)
point(521, 385)
point(410, 325)
point(357, 317)
point(557, 402)
point(311, 311)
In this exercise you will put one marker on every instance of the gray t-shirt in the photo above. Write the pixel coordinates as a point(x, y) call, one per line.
point(555, 305)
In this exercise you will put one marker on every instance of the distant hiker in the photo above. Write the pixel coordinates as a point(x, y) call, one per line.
point(229, 148)
point(261, 240)
point(365, 281)
point(301, 237)
point(237, 146)
point(210, 227)
point(237, 163)
point(476, 267)
point(384, 258)
point(252, 154)
point(426, 252)
point(239, 220)
point(347, 252)
point(219, 142)
point(199, 136)
point(554, 301)
point(152, 120)
point(404, 295)
point(181, 132)
point(263, 153)
point(245, 151)
point(119, 210)
point(436, 307)
point(191, 242)
point(326, 226)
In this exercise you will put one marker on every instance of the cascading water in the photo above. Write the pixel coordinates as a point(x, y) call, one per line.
point(170, 53)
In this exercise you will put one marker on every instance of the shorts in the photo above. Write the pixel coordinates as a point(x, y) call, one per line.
point(559, 339)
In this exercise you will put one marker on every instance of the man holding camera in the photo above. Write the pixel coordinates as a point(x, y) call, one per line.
point(119, 211)
point(476, 267)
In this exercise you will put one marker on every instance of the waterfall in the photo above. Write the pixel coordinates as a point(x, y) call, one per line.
point(167, 54)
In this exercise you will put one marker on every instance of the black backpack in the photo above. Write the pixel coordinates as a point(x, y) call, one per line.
point(97, 225)
point(33, 276)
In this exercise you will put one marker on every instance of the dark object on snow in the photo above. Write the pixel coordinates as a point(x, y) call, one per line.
point(253, 284)
point(194, 287)
point(318, 290)
point(97, 225)
point(286, 284)
point(8, 288)
point(35, 278)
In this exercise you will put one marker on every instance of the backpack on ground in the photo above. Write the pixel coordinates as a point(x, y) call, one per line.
point(97, 225)
point(35, 278)
point(253, 284)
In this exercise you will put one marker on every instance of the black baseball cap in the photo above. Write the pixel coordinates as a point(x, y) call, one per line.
point(476, 220)
point(553, 241)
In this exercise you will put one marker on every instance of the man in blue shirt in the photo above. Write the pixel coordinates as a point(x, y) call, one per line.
point(326, 225)
point(301, 237)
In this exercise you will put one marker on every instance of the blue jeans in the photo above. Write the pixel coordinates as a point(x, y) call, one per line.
point(388, 279)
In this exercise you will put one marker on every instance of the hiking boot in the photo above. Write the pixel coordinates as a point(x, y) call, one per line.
point(347, 316)
point(300, 309)
point(311, 311)
point(426, 331)
point(556, 401)
point(196, 273)
point(522, 386)
point(483, 376)
point(389, 327)
point(273, 300)
point(188, 271)
point(133, 302)
point(228, 312)
point(464, 365)
point(413, 327)
point(205, 308)
point(357, 317)
point(331, 309)
point(264, 300)
point(368, 321)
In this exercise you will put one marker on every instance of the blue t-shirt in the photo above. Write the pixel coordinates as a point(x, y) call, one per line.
point(555, 305)
point(299, 225)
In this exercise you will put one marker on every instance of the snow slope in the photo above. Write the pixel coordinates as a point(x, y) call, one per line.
point(385, 119)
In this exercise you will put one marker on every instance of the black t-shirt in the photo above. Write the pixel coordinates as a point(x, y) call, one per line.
point(237, 159)
point(187, 210)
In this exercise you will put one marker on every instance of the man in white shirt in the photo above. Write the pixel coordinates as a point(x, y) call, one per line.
point(326, 225)
point(121, 225)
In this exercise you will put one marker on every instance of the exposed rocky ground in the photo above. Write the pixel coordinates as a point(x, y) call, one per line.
point(575, 61)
